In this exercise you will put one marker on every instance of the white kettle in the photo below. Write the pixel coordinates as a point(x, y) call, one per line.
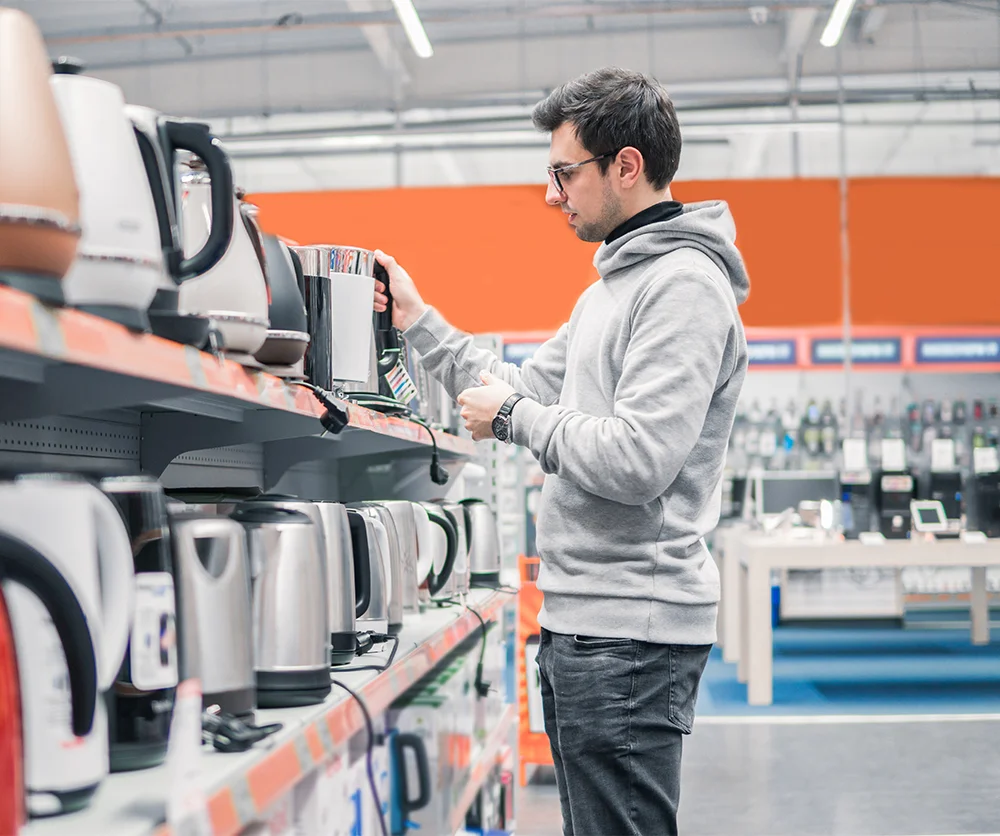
point(79, 530)
point(234, 293)
point(119, 260)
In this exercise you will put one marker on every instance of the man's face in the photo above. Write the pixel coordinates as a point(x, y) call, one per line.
point(588, 198)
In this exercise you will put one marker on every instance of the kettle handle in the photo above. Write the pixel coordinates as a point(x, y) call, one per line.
point(383, 325)
point(400, 742)
point(435, 583)
point(21, 563)
point(194, 137)
point(117, 587)
point(362, 562)
point(362, 584)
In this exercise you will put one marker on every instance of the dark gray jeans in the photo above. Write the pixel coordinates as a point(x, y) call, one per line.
point(615, 713)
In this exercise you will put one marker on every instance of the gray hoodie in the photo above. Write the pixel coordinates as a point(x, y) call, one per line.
point(628, 410)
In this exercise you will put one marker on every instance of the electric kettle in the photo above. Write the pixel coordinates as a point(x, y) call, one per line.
point(405, 528)
point(388, 544)
point(91, 549)
point(233, 293)
point(141, 701)
point(214, 623)
point(119, 261)
point(348, 590)
point(368, 547)
point(288, 337)
point(458, 583)
point(350, 582)
point(484, 544)
point(29, 570)
point(445, 534)
point(39, 200)
point(291, 630)
point(160, 139)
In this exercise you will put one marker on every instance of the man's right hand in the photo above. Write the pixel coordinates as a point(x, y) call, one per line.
point(407, 306)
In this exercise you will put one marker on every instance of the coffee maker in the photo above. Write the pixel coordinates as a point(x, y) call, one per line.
point(894, 495)
point(987, 493)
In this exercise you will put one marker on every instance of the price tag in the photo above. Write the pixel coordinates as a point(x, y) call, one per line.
point(973, 537)
point(985, 459)
point(942, 455)
point(153, 646)
point(855, 454)
point(893, 454)
point(187, 808)
point(871, 538)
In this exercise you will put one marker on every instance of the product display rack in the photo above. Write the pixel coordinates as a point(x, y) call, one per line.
point(491, 752)
point(240, 788)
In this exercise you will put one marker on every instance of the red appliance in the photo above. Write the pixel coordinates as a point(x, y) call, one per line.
point(24, 565)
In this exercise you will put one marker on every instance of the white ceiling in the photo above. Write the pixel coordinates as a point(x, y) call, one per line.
point(311, 94)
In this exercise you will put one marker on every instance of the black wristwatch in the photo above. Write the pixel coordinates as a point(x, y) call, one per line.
point(501, 424)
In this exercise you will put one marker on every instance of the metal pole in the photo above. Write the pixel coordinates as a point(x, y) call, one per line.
point(845, 244)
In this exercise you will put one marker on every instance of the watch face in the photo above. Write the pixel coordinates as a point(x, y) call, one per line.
point(500, 429)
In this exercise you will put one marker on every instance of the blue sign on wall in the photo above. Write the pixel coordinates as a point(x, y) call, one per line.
point(958, 349)
point(771, 352)
point(871, 351)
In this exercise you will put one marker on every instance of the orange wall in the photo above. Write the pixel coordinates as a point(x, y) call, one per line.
point(923, 251)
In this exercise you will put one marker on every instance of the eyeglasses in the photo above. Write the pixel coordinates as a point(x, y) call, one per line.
point(555, 172)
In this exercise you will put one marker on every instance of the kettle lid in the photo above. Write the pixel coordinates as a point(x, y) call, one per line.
point(255, 513)
point(67, 65)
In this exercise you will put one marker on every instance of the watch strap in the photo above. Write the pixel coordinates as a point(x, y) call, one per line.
point(508, 405)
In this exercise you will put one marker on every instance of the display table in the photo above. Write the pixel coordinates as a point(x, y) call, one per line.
point(758, 555)
point(723, 546)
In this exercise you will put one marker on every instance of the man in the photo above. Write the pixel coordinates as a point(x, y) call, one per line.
point(628, 409)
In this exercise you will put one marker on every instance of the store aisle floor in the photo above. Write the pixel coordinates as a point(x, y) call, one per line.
point(905, 776)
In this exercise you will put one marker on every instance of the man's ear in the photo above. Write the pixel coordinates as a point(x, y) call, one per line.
point(632, 166)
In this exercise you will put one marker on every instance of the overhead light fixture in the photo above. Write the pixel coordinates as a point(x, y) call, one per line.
point(413, 27)
point(838, 20)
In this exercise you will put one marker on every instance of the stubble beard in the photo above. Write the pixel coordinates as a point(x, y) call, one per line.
point(610, 218)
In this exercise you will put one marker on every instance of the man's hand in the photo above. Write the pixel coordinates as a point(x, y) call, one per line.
point(480, 405)
point(407, 306)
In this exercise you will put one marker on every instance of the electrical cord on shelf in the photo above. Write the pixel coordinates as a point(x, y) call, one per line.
point(439, 476)
point(376, 638)
point(370, 726)
point(482, 688)
point(334, 419)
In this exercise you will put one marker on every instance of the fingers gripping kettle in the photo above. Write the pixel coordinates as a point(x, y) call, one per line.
point(91, 549)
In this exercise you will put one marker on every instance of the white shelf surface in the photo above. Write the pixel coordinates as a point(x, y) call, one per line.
point(133, 804)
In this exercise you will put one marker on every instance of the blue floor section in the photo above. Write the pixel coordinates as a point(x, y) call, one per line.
point(850, 670)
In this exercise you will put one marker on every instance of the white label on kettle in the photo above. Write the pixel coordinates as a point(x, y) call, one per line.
point(154, 632)
point(401, 383)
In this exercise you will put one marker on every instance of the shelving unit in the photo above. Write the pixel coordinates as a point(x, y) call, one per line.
point(241, 787)
point(488, 755)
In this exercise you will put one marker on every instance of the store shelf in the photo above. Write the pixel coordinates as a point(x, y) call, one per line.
point(488, 756)
point(62, 361)
point(240, 787)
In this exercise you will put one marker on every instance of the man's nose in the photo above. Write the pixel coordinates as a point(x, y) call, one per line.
point(553, 196)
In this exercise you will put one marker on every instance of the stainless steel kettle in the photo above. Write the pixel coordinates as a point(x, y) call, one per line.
point(291, 632)
point(387, 539)
point(484, 544)
point(459, 582)
point(214, 623)
point(367, 548)
point(444, 532)
point(404, 525)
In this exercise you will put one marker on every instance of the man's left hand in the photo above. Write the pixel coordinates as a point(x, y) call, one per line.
point(480, 405)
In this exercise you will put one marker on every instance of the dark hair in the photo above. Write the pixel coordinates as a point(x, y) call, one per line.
point(614, 108)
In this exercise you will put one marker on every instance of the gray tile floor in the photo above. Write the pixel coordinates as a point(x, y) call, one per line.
point(824, 779)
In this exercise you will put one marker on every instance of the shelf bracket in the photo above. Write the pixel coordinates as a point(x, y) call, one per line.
point(166, 435)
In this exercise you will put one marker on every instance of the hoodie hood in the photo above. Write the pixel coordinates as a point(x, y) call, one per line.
point(708, 227)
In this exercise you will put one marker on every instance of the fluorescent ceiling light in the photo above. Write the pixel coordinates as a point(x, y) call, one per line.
point(414, 28)
point(835, 25)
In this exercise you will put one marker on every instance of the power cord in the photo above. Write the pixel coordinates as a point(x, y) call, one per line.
point(368, 752)
point(439, 476)
point(334, 419)
point(482, 688)
point(376, 638)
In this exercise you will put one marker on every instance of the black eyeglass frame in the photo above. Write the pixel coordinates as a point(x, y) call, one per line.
point(555, 172)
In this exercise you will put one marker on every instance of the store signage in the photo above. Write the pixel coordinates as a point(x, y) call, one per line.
point(958, 349)
point(876, 351)
point(771, 352)
point(517, 353)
